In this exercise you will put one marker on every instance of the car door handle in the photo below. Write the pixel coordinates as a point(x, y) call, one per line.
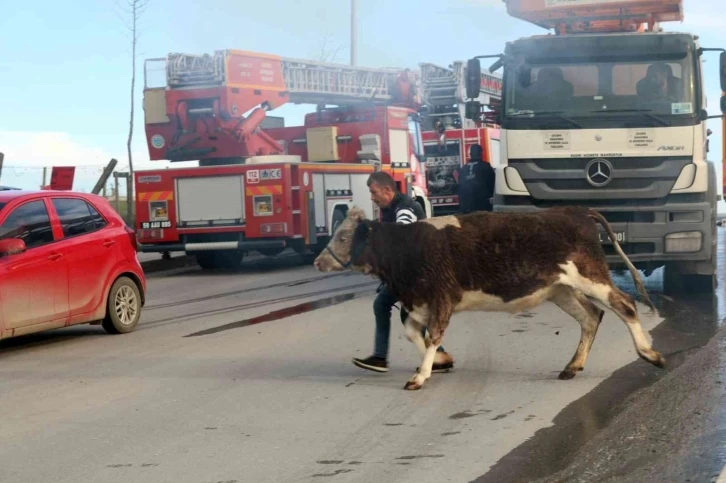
point(109, 243)
point(54, 256)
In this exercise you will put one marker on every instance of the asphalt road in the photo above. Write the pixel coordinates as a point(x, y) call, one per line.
point(246, 377)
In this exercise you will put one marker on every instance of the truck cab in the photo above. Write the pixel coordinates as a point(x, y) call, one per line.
point(614, 120)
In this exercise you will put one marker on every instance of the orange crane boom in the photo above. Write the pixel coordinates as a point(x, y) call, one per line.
point(570, 16)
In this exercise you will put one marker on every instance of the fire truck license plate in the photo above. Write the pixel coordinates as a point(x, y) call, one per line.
point(155, 224)
point(620, 236)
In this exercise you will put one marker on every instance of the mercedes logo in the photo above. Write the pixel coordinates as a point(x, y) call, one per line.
point(599, 172)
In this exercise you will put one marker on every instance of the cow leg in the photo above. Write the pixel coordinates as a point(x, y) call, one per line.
point(624, 305)
point(596, 286)
point(589, 316)
point(438, 319)
point(413, 333)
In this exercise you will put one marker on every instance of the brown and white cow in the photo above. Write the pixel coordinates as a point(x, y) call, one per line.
point(491, 262)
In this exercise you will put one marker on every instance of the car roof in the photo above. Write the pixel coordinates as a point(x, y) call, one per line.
point(14, 193)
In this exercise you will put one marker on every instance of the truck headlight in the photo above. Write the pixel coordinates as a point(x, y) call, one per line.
point(514, 180)
point(685, 242)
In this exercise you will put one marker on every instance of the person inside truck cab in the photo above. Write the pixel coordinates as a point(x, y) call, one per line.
point(551, 84)
point(659, 84)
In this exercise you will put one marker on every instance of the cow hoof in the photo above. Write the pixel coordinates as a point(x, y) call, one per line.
point(566, 375)
point(412, 386)
point(654, 358)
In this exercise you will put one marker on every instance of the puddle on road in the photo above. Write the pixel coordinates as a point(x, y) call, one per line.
point(689, 324)
point(281, 313)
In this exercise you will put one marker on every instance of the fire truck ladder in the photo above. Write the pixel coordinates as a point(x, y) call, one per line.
point(320, 83)
point(308, 82)
point(440, 86)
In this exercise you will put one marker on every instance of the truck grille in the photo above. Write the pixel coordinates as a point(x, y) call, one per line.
point(631, 178)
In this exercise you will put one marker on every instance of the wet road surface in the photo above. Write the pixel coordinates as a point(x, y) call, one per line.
point(237, 377)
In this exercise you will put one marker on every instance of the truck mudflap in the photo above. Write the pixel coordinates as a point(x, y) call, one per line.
point(244, 245)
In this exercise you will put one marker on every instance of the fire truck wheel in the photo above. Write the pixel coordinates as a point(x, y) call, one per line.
point(214, 260)
point(271, 252)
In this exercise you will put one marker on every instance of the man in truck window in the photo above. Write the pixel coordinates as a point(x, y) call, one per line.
point(551, 83)
point(659, 84)
point(395, 208)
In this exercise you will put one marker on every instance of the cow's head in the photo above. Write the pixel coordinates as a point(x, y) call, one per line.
point(346, 246)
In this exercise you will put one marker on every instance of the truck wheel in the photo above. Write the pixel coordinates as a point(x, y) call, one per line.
point(123, 308)
point(219, 260)
point(696, 284)
point(206, 260)
point(271, 252)
point(675, 282)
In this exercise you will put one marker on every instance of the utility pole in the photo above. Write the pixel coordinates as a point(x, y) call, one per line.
point(353, 32)
point(2, 158)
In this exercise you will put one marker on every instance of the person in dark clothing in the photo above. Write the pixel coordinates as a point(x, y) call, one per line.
point(476, 183)
point(395, 208)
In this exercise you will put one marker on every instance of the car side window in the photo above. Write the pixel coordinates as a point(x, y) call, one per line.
point(98, 220)
point(77, 217)
point(29, 222)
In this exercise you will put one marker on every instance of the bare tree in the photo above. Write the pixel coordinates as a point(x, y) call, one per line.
point(133, 9)
point(328, 50)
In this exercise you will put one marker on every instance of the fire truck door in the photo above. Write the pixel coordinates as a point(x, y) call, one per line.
point(398, 139)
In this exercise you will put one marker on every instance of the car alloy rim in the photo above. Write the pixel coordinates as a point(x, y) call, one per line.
point(127, 305)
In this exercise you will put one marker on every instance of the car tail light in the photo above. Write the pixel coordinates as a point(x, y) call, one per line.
point(132, 236)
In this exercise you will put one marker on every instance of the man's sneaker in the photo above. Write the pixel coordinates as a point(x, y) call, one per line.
point(372, 363)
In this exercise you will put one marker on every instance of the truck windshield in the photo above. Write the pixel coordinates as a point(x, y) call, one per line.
point(414, 129)
point(608, 84)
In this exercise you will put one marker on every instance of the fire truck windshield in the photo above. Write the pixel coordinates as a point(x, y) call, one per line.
point(414, 129)
point(605, 88)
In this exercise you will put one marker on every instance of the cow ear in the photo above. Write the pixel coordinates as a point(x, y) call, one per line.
point(356, 214)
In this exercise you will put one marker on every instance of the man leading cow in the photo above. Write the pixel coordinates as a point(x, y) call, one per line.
point(395, 208)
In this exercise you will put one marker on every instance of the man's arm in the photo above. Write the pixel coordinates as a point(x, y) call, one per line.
point(405, 216)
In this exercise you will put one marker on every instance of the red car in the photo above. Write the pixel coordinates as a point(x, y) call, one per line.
point(66, 258)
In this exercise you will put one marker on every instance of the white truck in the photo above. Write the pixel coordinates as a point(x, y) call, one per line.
point(610, 112)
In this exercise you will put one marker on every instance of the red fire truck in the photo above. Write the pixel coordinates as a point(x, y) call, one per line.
point(280, 187)
point(448, 134)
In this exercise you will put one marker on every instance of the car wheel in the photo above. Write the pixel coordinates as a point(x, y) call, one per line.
point(124, 307)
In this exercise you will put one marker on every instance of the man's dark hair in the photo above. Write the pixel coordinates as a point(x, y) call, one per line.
point(382, 179)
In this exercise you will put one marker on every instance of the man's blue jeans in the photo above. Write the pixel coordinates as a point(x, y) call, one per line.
point(382, 309)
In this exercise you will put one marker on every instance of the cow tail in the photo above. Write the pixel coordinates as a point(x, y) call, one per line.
point(633, 271)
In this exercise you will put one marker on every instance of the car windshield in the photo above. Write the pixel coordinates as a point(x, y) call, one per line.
point(585, 85)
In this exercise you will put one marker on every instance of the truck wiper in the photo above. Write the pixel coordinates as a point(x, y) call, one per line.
point(645, 112)
point(557, 114)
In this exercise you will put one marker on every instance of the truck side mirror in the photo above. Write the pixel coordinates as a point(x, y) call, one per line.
point(723, 104)
point(473, 78)
point(722, 71)
point(473, 110)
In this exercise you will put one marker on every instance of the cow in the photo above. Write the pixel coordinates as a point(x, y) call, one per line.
point(485, 261)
